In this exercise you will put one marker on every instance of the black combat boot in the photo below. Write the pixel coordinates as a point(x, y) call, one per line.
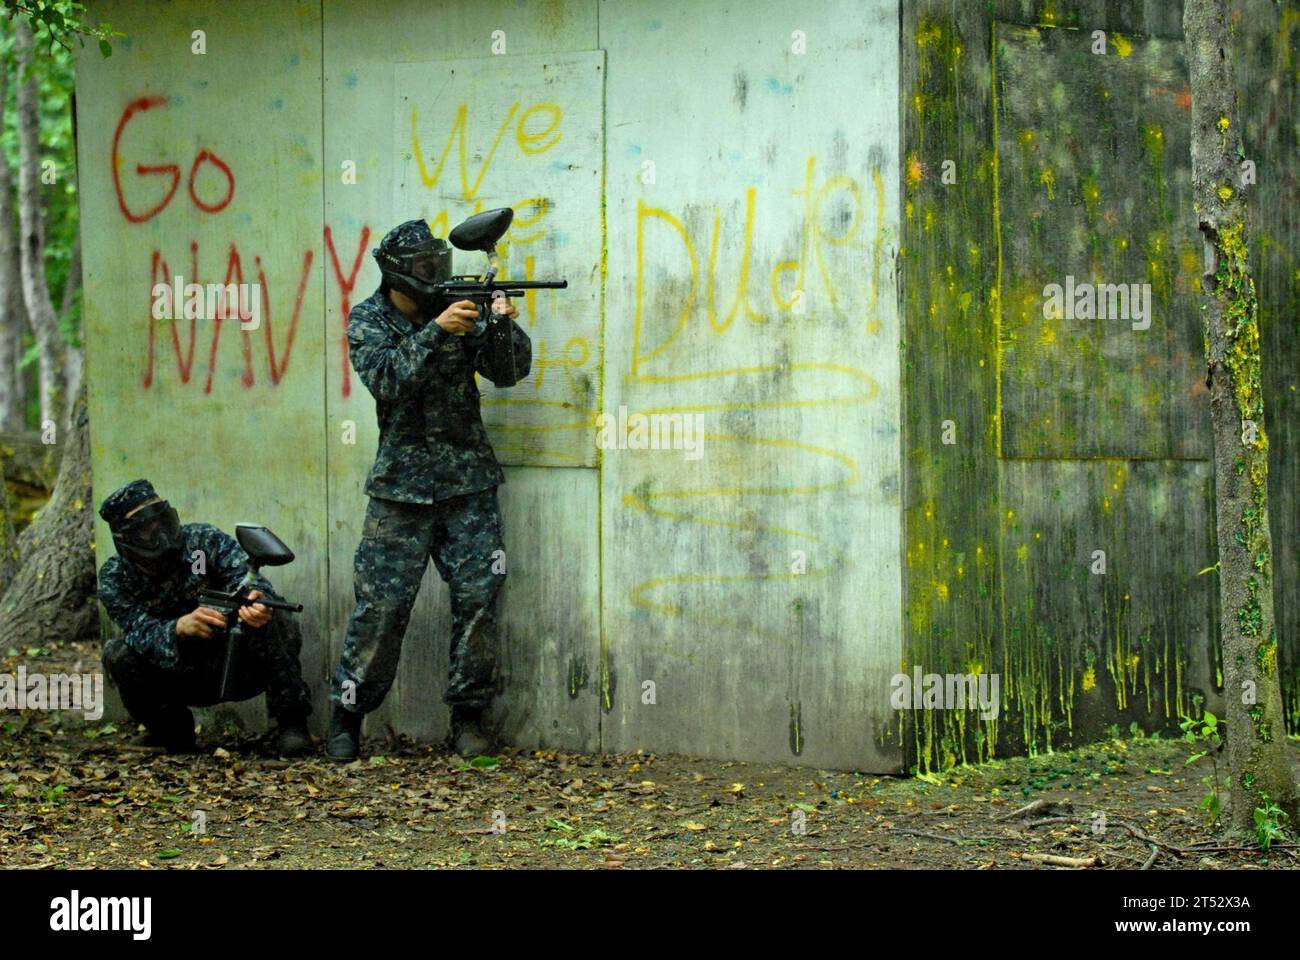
point(171, 728)
point(292, 738)
point(345, 734)
point(469, 739)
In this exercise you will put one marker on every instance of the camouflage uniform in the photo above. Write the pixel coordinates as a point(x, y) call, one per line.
point(432, 494)
point(156, 672)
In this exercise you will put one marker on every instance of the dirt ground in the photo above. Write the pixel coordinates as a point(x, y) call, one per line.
point(72, 794)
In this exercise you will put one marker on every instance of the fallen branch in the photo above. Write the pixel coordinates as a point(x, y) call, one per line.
point(1037, 808)
point(1176, 851)
point(1057, 861)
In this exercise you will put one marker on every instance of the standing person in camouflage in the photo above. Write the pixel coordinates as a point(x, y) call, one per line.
point(171, 652)
point(432, 489)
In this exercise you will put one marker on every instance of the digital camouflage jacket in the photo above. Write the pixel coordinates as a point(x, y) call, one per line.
point(432, 443)
point(146, 607)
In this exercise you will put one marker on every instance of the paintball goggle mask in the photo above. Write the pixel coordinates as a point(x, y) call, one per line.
point(413, 262)
point(150, 537)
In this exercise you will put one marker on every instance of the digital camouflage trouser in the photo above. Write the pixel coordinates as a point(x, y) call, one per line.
point(267, 663)
point(463, 537)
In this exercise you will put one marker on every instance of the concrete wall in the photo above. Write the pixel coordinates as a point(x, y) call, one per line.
point(719, 187)
point(1070, 437)
point(730, 191)
point(184, 171)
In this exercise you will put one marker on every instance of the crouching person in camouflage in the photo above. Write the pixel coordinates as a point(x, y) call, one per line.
point(432, 488)
point(171, 653)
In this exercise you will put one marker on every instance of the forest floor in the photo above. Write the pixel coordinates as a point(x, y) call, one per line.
point(74, 794)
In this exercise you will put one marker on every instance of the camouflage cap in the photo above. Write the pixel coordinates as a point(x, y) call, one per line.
point(125, 499)
point(407, 236)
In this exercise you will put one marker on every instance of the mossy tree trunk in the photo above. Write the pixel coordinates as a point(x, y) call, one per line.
point(1256, 732)
point(51, 597)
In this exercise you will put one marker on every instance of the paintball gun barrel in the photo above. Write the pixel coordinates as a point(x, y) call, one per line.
point(481, 232)
point(226, 603)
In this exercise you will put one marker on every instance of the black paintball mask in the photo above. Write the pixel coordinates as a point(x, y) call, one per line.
point(150, 537)
point(413, 262)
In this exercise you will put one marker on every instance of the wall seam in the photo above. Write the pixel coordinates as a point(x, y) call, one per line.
point(325, 587)
point(903, 422)
point(600, 402)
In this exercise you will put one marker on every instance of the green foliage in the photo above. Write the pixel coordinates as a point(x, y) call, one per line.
point(57, 22)
point(1270, 823)
point(570, 840)
point(1204, 733)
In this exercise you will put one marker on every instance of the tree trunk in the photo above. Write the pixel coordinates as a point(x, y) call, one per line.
point(1256, 732)
point(13, 396)
point(13, 313)
point(36, 292)
point(52, 596)
point(8, 542)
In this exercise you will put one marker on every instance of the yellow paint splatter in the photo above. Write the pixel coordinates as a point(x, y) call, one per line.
point(1048, 179)
point(914, 172)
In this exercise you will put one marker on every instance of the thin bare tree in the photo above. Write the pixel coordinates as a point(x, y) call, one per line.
point(13, 312)
point(36, 291)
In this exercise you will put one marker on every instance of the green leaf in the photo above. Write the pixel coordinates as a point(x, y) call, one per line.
point(168, 854)
point(105, 48)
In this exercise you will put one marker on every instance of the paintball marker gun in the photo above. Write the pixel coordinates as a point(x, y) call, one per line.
point(481, 232)
point(264, 549)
